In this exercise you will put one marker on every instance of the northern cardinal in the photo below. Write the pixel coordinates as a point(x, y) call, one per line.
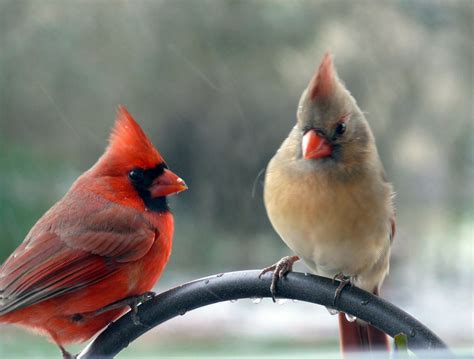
point(327, 197)
point(100, 249)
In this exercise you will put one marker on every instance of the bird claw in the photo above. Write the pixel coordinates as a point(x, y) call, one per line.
point(135, 302)
point(135, 318)
point(145, 297)
point(344, 281)
point(279, 269)
point(66, 354)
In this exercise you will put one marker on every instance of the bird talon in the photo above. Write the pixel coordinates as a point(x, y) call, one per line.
point(135, 302)
point(135, 319)
point(145, 297)
point(344, 281)
point(66, 354)
point(134, 314)
point(273, 287)
point(266, 270)
point(279, 270)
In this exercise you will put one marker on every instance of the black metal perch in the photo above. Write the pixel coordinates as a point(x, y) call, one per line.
point(246, 284)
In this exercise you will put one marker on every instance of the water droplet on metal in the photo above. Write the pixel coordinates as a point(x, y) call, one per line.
point(350, 317)
point(256, 300)
point(332, 311)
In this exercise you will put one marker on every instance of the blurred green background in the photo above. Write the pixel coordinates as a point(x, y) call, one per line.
point(215, 84)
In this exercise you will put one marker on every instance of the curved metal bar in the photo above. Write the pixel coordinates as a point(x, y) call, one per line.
point(246, 284)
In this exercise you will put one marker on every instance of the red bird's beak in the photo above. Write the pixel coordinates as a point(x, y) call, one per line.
point(315, 146)
point(167, 184)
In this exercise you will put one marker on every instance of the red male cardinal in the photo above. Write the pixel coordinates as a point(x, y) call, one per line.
point(326, 195)
point(100, 249)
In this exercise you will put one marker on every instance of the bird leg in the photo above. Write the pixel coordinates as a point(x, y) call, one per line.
point(279, 269)
point(344, 281)
point(133, 302)
point(66, 354)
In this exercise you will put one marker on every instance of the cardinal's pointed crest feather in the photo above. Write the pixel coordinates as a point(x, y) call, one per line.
point(128, 143)
point(323, 82)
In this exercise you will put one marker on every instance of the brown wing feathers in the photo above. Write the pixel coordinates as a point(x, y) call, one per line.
point(72, 255)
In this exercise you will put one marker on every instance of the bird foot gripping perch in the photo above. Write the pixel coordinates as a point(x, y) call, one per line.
point(66, 354)
point(279, 269)
point(133, 302)
point(344, 281)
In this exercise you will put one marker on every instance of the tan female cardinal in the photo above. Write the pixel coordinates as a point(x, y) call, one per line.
point(100, 249)
point(326, 195)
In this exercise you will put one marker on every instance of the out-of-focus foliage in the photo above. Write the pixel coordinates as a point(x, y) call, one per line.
point(215, 84)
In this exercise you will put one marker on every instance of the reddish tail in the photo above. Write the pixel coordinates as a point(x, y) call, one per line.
point(360, 337)
point(355, 336)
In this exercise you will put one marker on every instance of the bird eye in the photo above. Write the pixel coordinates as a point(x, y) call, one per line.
point(341, 128)
point(135, 175)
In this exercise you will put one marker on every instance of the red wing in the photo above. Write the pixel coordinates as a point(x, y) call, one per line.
point(114, 231)
point(72, 253)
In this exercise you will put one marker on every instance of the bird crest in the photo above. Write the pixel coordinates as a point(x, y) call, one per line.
point(323, 82)
point(128, 144)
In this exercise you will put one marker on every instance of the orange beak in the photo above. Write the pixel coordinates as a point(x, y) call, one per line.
point(167, 184)
point(315, 146)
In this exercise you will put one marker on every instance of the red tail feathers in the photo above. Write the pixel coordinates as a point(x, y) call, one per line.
point(354, 336)
point(360, 337)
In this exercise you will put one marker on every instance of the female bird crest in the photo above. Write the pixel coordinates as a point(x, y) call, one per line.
point(323, 81)
point(331, 126)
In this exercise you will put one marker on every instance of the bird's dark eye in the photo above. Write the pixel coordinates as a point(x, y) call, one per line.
point(341, 128)
point(136, 175)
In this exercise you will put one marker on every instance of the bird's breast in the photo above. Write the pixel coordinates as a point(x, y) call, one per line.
point(335, 227)
point(147, 271)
